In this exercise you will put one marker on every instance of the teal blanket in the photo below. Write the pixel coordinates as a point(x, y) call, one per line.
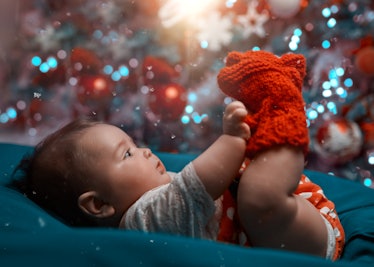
point(31, 237)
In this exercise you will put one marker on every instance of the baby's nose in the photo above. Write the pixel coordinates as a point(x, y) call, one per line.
point(147, 153)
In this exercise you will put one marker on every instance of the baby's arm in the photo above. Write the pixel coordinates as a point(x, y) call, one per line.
point(220, 163)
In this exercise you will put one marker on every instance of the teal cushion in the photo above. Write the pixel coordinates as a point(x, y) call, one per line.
point(27, 230)
point(355, 206)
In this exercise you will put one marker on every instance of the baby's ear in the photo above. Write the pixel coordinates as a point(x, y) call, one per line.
point(296, 61)
point(91, 203)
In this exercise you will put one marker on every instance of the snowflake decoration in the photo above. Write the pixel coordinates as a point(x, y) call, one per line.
point(253, 22)
point(214, 31)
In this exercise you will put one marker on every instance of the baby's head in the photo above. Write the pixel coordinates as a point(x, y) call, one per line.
point(89, 173)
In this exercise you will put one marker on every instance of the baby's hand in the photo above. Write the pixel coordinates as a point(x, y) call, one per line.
point(233, 120)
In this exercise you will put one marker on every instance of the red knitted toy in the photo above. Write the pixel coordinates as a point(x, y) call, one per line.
point(270, 88)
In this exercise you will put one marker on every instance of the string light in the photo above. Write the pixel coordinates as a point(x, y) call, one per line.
point(44, 67)
point(189, 109)
point(331, 23)
point(348, 82)
point(368, 182)
point(192, 97)
point(116, 75)
point(326, 44)
point(295, 39)
point(36, 61)
point(185, 119)
point(371, 158)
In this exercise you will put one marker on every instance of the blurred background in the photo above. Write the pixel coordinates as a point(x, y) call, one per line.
point(150, 68)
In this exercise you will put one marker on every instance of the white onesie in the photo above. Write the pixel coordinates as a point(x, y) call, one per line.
point(182, 207)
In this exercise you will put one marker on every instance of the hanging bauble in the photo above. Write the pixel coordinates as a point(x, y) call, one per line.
point(83, 60)
point(284, 8)
point(157, 70)
point(364, 60)
point(167, 101)
point(51, 77)
point(94, 94)
point(94, 87)
point(338, 141)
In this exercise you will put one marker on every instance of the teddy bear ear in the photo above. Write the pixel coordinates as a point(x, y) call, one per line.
point(296, 61)
point(233, 58)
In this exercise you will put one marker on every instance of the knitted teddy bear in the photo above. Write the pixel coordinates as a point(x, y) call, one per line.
point(270, 88)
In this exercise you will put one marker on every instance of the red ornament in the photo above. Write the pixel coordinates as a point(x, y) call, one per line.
point(84, 61)
point(364, 60)
point(94, 87)
point(53, 76)
point(338, 141)
point(94, 94)
point(168, 101)
point(157, 70)
point(364, 42)
point(29, 115)
point(365, 55)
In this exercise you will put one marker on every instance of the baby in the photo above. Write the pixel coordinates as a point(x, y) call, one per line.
point(92, 174)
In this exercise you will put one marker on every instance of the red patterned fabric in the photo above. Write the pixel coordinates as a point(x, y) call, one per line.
point(232, 232)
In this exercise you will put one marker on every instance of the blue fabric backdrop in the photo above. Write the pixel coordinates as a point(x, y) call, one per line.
point(31, 237)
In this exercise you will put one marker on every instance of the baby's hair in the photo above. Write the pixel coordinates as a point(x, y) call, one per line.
point(54, 174)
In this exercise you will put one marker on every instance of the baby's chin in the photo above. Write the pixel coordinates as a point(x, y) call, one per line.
point(166, 177)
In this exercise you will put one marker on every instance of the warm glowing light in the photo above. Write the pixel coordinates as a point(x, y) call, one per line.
point(175, 11)
point(195, 6)
point(171, 92)
point(100, 84)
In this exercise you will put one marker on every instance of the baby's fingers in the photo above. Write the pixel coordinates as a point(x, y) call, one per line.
point(245, 131)
point(234, 105)
point(236, 110)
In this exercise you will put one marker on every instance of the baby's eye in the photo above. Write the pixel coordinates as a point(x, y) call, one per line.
point(127, 154)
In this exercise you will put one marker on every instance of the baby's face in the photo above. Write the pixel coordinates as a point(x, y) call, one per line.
point(122, 172)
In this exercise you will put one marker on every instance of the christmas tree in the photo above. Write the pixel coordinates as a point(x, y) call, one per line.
point(150, 67)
